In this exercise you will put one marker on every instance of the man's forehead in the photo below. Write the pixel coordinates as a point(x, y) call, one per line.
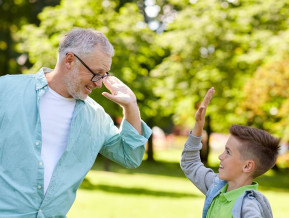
point(100, 61)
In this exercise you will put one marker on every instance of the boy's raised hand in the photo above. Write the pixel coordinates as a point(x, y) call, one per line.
point(201, 113)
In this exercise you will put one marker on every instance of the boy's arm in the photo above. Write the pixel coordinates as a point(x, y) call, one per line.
point(191, 163)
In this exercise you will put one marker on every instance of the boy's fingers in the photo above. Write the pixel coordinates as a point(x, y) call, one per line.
point(200, 113)
point(208, 97)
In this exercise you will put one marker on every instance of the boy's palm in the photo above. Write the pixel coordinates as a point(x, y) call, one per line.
point(201, 113)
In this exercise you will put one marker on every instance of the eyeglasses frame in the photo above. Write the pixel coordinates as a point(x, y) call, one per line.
point(96, 76)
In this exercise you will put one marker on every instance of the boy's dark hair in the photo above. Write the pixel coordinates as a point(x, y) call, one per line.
point(257, 145)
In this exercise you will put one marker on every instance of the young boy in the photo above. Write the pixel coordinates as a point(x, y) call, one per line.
point(248, 154)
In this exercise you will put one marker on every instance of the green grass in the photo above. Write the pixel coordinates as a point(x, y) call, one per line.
point(157, 190)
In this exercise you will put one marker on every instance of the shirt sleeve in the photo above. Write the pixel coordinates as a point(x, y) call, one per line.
point(192, 166)
point(125, 145)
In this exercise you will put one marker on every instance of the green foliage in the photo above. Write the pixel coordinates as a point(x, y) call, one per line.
point(209, 43)
point(221, 44)
point(266, 98)
point(14, 14)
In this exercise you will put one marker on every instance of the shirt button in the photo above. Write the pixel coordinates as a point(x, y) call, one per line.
point(36, 143)
point(40, 163)
point(39, 187)
point(40, 211)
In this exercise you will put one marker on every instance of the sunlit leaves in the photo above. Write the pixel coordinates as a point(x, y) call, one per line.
point(206, 43)
point(266, 99)
point(219, 43)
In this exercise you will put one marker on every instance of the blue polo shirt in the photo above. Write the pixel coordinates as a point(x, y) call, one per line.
point(92, 131)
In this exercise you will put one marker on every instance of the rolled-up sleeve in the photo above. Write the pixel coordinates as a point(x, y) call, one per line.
point(131, 136)
point(126, 146)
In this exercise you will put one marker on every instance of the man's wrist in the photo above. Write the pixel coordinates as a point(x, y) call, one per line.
point(131, 107)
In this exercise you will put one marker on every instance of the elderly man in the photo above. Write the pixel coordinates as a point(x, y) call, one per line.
point(51, 131)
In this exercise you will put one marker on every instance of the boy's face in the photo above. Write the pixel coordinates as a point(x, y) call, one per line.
point(231, 165)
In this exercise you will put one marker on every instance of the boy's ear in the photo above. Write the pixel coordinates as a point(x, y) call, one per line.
point(249, 167)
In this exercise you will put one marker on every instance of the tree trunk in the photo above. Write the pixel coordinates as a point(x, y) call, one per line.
point(150, 151)
point(206, 145)
point(106, 164)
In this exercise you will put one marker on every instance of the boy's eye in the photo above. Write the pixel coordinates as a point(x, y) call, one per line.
point(227, 152)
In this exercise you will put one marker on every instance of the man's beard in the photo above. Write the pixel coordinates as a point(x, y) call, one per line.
point(73, 87)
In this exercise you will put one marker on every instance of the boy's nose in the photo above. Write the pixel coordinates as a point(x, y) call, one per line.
point(220, 156)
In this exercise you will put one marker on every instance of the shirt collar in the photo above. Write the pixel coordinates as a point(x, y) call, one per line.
point(41, 81)
point(234, 194)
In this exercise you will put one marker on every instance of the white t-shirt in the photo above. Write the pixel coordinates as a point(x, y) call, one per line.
point(56, 113)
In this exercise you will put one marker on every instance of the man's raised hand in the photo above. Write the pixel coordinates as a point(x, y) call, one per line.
point(120, 93)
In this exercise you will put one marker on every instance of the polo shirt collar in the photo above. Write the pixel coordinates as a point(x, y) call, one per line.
point(234, 194)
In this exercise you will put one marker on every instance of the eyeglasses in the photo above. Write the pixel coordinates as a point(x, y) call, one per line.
point(96, 76)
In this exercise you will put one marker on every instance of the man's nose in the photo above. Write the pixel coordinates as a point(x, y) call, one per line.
point(98, 83)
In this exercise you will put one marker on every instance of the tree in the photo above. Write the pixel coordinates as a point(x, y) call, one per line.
point(14, 14)
point(266, 98)
point(217, 43)
point(221, 44)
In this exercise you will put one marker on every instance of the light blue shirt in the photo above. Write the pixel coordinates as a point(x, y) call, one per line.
point(21, 170)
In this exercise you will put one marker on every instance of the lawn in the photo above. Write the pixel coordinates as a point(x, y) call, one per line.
point(158, 190)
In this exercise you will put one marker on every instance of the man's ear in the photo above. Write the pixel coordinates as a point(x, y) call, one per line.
point(68, 60)
point(249, 166)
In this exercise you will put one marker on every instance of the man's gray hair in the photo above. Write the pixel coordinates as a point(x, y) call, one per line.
point(84, 41)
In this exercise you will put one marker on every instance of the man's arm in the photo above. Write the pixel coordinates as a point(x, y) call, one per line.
point(128, 146)
point(124, 96)
point(191, 164)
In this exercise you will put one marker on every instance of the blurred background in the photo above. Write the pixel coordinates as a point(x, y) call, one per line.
point(170, 52)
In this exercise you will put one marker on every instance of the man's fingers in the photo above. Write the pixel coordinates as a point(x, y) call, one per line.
point(107, 95)
point(112, 80)
point(114, 85)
